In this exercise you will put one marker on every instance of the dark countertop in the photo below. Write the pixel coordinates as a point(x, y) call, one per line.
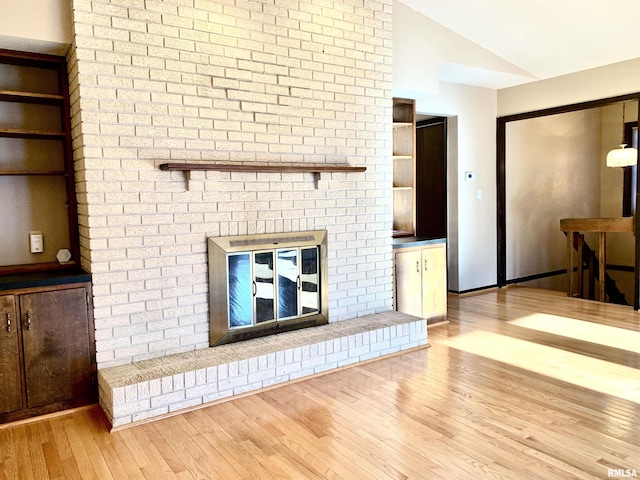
point(43, 279)
point(406, 242)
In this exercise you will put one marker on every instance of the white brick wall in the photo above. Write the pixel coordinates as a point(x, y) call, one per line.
point(243, 81)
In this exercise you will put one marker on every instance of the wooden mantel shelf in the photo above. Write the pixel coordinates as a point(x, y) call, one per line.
point(284, 168)
point(233, 167)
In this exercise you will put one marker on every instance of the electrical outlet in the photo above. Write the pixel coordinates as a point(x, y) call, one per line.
point(36, 242)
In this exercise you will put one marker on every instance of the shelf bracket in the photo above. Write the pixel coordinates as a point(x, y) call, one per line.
point(191, 178)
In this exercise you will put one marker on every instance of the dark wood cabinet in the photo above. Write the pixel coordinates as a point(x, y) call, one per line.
point(10, 358)
point(48, 356)
point(57, 358)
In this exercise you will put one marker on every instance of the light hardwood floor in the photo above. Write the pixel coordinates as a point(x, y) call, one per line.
point(521, 384)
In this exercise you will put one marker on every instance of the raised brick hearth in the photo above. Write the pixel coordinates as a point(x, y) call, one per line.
point(151, 388)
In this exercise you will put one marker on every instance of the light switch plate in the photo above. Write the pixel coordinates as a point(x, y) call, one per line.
point(36, 242)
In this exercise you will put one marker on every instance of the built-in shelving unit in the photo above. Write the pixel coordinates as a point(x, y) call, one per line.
point(47, 341)
point(37, 185)
point(404, 151)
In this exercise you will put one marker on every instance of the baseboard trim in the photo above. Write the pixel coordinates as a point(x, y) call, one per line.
point(475, 290)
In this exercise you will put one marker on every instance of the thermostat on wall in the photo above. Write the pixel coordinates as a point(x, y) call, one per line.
point(35, 242)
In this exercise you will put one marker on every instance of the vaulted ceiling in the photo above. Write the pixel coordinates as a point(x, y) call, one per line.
point(545, 38)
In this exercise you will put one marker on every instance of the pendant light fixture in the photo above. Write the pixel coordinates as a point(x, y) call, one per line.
point(622, 157)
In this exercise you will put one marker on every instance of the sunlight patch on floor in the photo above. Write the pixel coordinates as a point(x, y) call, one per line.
point(615, 337)
point(598, 375)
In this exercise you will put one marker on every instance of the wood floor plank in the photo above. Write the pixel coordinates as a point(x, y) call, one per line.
point(8, 455)
point(25, 467)
point(187, 442)
point(149, 460)
point(89, 461)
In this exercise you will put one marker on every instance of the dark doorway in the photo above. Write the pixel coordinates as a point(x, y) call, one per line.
point(431, 178)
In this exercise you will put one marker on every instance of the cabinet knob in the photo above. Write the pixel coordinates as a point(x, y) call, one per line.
point(418, 267)
point(8, 322)
point(28, 320)
point(425, 264)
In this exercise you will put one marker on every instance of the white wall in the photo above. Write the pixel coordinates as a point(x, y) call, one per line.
point(425, 53)
point(472, 221)
point(42, 26)
point(604, 82)
point(415, 65)
point(552, 172)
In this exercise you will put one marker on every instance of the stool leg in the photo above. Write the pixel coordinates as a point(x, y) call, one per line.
point(602, 255)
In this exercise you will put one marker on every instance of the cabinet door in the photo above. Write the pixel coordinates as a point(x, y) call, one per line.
point(434, 282)
point(408, 267)
point(57, 354)
point(10, 383)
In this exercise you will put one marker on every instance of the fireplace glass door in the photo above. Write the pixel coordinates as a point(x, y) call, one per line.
point(288, 281)
point(240, 290)
point(272, 285)
point(310, 281)
point(298, 292)
point(263, 286)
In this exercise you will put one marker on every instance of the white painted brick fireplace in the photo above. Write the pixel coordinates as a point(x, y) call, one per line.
point(263, 82)
point(232, 81)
